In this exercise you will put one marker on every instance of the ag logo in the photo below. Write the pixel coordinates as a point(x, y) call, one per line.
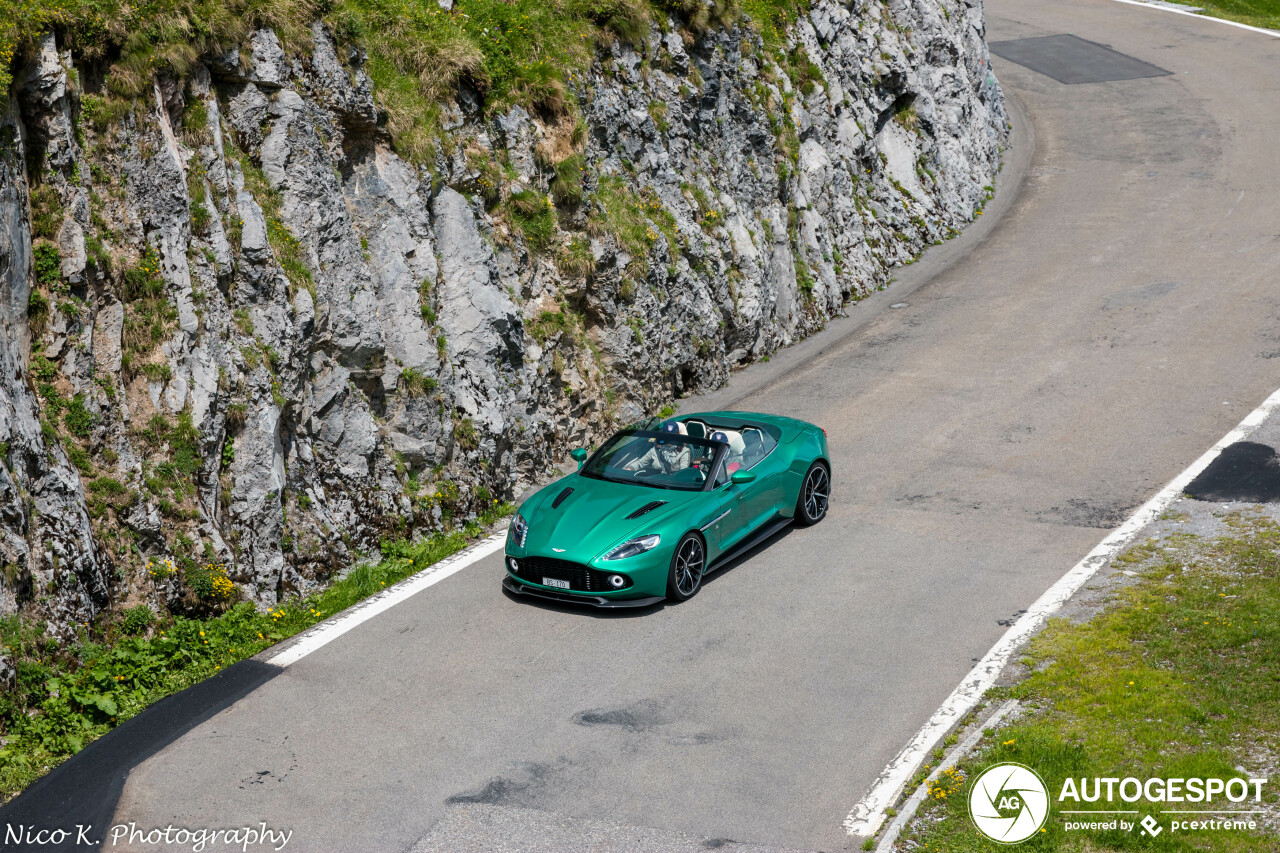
point(1008, 802)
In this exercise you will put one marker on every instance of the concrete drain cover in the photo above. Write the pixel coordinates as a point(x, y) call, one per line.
point(1069, 59)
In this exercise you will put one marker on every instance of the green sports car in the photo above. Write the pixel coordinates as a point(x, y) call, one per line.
point(663, 503)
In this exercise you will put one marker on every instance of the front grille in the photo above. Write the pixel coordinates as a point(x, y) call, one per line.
point(581, 578)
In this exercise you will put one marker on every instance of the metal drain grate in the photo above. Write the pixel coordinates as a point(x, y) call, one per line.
point(1069, 59)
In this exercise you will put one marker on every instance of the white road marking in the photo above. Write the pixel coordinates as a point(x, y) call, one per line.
point(909, 808)
point(1265, 32)
point(313, 638)
point(868, 815)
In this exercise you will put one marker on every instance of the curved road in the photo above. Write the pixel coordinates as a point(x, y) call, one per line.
point(1118, 319)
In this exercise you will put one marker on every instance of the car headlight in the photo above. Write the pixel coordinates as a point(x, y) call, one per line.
point(634, 546)
point(519, 529)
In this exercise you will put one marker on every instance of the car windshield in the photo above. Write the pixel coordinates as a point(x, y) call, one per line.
point(658, 459)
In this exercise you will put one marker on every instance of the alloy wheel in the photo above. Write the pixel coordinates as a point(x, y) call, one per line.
point(817, 493)
point(689, 564)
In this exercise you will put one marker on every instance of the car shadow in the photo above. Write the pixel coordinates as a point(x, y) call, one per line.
point(720, 571)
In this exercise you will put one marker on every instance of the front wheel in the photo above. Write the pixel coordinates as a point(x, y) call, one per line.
point(815, 495)
point(684, 579)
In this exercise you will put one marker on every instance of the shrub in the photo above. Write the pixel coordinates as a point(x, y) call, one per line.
point(37, 311)
point(136, 620)
point(161, 568)
point(78, 420)
point(46, 212)
point(210, 581)
point(46, 263)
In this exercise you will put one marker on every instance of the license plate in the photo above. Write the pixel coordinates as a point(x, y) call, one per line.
point(557, 584)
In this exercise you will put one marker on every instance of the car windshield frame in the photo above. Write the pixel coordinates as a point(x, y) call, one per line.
point(595, 466)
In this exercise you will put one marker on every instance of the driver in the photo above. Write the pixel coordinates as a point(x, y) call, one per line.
point(666, 456)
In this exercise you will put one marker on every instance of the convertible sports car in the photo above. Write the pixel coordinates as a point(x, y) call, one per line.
point(663, 503)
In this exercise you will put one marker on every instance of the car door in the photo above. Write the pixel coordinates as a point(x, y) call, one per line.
point(759, 498)
point(721, 528)
point(744, 502)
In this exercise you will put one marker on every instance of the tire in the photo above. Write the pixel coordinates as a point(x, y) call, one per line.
point(815, 495)
point(688, 563)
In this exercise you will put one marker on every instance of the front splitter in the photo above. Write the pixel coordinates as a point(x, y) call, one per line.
point(514, 586)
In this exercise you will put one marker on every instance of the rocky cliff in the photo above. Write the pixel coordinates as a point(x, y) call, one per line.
point(244, 339)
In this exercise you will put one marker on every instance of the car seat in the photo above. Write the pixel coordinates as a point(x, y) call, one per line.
point(752, 447)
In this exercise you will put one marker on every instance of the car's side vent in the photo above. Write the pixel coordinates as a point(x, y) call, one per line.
point(649, 507)
point(560, 498)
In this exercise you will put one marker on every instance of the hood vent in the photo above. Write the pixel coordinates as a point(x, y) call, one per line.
point(560, 498)
point(649, 507)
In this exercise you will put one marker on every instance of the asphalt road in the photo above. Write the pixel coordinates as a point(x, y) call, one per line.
point(1117, 320)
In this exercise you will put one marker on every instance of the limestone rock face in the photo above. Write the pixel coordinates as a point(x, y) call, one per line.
point(238, 330)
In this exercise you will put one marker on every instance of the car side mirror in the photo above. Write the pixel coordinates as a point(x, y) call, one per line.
point(740, 477)
point(579, 455)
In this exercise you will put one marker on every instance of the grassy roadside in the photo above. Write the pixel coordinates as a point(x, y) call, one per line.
point(1258, 13)
point(1179, 676)
point(525, 52)
point(68, 695)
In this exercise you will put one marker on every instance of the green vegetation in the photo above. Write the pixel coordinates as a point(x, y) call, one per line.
point(523, 52)
point(658, 112)
point(466, 434)
point(148, 315)
point(772, 18)
point(576, 259)
point(37, 311)
point(534, 216)
point(47, 264)
point(46, 212)
point(1178, 677)
point(416, 383)
point(67, 695)
point(634, 219)
point(566, 187)
point(77, 419)
point(286, 247)
point(1258, 13)
point(548, 324)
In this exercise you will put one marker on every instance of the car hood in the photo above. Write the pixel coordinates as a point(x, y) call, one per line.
point(593, 518)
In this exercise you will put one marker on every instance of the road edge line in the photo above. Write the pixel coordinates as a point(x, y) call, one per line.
point(1263, 30)
point(326, 632)
point(958, 752)
point(866, 818)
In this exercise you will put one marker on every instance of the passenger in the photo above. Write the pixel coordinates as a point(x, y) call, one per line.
point(667, 456)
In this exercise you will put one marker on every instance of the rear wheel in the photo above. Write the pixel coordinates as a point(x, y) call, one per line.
point(815, 495)
point(685, 576)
